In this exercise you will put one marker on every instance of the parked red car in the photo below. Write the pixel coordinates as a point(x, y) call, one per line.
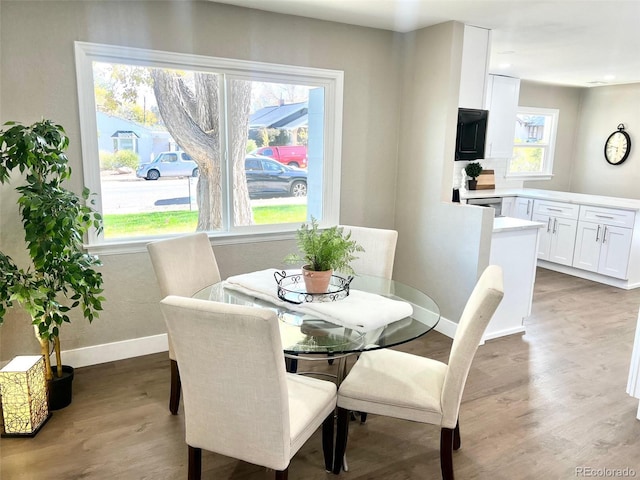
point(292, 155)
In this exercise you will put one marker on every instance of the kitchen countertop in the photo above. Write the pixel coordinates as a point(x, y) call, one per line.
point(508, 224)
point(568, 197)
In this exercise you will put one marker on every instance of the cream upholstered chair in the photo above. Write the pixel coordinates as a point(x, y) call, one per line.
point(410, 387)
point(379, 250)
point(183, 265)
point(250, 410)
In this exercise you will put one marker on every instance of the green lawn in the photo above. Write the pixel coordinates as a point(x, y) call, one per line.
point(183, 221)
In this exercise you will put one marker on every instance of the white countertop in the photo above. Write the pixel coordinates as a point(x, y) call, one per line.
point(508, 224)
point(568, 197)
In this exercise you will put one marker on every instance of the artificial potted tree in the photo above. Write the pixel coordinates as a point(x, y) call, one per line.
point(59, 276)
point(473, 170)
point(323, 252)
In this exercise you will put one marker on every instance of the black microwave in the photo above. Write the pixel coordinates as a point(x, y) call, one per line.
point(471, 134)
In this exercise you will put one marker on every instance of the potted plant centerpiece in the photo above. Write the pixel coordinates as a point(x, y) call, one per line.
point(59, 276)
point(323, 252)
point(473, 170)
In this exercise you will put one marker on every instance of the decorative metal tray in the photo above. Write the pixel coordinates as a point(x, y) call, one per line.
point(291, 288)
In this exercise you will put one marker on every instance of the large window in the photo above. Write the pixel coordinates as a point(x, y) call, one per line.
point(534, 143)
point(175, 143)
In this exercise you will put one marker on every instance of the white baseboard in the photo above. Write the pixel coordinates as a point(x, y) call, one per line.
point(594, 277)
point(502, 333)
point(109, 352)
point(446, 327)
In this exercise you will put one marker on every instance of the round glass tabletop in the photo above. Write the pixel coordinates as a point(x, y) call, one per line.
point(304, 334)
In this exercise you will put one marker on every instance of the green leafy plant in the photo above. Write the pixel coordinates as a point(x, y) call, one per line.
point(473, 169)
point(322, 250)
point(61, 276)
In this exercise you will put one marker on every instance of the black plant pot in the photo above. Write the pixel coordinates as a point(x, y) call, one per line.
point(472, 183)
point(60, 388)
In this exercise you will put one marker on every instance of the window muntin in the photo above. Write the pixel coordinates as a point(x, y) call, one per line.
point(534, 143)
point(323, 193)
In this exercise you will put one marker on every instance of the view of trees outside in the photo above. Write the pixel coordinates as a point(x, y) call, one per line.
point(190, 106)
point(531, 140)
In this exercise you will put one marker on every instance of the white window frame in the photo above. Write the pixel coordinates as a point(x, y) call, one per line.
point(332, 81)
point(548, 148)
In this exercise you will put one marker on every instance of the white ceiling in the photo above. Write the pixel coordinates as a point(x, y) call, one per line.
point(565, 42)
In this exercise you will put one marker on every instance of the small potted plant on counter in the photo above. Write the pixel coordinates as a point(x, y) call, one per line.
point(323, 252)
point(473, 170)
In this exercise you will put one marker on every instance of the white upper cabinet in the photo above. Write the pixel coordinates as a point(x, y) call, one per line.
point(502, 103)
point(475, 66)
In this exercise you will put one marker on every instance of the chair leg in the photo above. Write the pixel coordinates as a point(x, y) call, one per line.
point(176, 385)
point(327, 441)
point(456, 436)
point(195, 463)
point(291, 364)
point(341, 439)
point(446, 453)
point(282, 474)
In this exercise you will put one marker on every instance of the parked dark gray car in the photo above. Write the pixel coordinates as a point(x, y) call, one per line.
point(268, 177)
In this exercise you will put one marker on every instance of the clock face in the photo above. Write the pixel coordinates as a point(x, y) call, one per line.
point(617, 147)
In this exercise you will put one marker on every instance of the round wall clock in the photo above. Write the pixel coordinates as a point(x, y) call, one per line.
point(617, 146)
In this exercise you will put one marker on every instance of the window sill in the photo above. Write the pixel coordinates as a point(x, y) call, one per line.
point(139, 245)
point(541, 176)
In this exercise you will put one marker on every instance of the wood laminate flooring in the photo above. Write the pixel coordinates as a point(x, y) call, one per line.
point(536, 406)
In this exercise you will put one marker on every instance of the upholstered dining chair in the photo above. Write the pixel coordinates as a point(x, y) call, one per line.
point(251, 410)
point(402, 385)
point(183, 265)
point(379, 250)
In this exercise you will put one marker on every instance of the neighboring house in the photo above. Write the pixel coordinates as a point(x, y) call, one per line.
point(115, 133)
point(289, 118)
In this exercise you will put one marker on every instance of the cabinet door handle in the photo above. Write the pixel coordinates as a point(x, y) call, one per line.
point(528, 204)
point(604, 235)
point(549, 225)
point(554, 209)
point(555, 223)
point(605, 216)
point(598, 234)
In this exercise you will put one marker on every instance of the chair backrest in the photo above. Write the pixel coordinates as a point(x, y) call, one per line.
point(184, 265)
point(233, 379)
point(379, 250)
point(482, 304)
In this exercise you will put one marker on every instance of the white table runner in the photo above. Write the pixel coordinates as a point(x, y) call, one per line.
point(361, 311)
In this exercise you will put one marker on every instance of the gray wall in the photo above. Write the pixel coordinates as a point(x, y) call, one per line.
point(603, 108)
point(37, 79)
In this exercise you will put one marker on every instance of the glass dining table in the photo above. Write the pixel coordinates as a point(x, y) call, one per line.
point(306, 337)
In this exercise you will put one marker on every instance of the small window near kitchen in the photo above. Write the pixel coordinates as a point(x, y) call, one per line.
point(534, 143)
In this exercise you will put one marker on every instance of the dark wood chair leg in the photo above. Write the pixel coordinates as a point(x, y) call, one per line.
point(327, 441)
point(291, 364)
point(195, 463)
point(446, 453)
point(341, 439)
point(282, 474)
point(363, 417)
point(176, 385)
point(456, 436)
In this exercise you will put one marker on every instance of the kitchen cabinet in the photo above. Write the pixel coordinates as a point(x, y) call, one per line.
point(603, 241)
point(476, 44)
point(502, 103)
point(508, 204)
point(557, 239)
point(522, 208)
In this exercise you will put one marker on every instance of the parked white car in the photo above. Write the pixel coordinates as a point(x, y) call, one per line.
point(168, 164)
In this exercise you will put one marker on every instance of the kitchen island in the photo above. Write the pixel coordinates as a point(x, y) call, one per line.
point(514, 244)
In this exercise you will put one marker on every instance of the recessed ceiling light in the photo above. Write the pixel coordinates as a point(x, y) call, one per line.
point(609, 77)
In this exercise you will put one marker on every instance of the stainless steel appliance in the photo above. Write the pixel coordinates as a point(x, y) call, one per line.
point(492, 202)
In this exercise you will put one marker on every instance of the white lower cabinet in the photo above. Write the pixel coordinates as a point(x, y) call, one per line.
point(603, 249)
point(557, 239)
point(522, 208)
